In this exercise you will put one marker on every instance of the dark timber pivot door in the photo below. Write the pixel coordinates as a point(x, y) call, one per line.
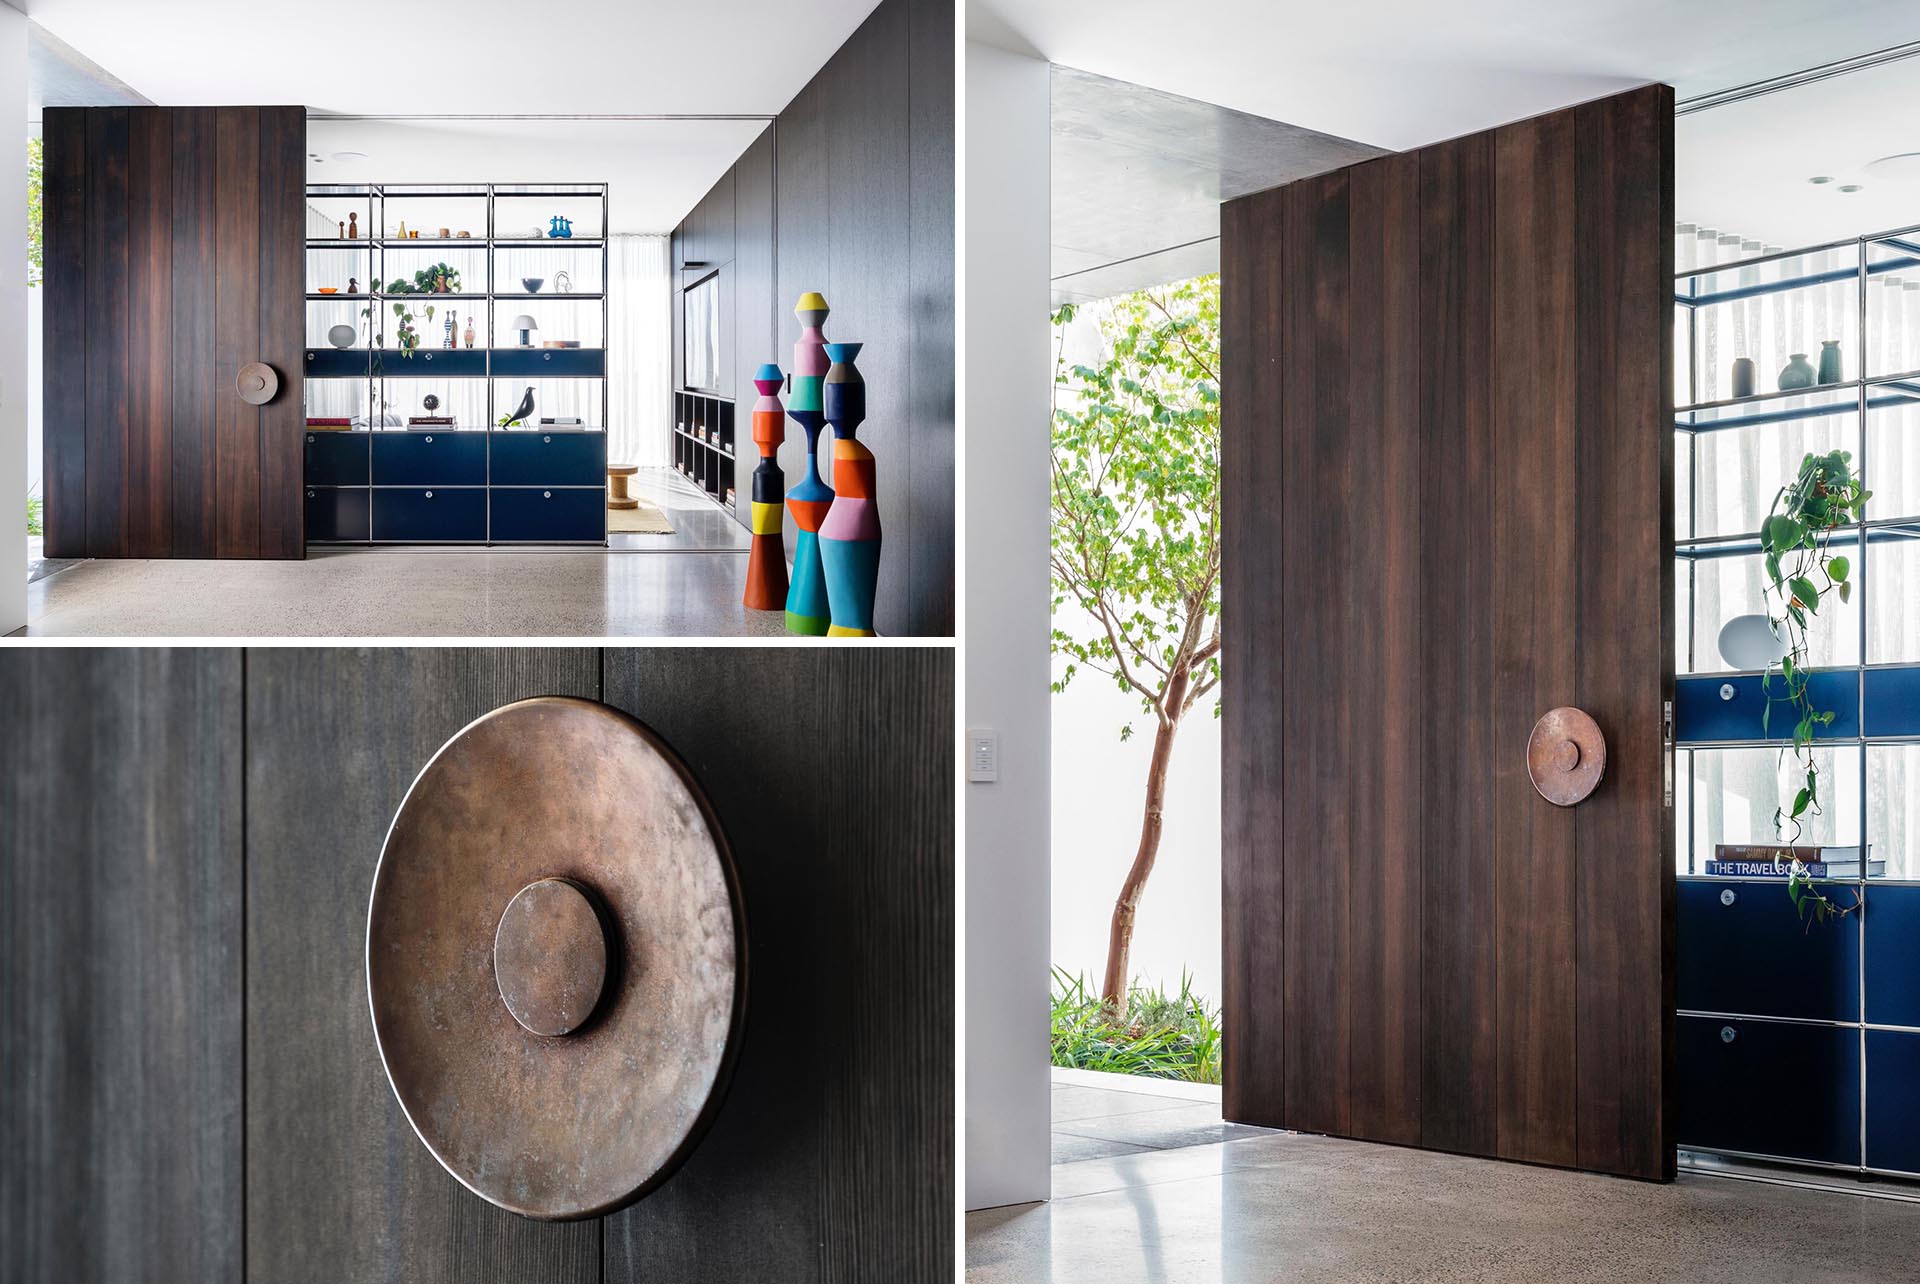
point(175, 255)
point(1448, 495)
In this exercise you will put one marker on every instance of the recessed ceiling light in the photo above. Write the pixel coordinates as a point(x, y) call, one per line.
point(1849, 187)
point(1821, 178)
point(349, 156)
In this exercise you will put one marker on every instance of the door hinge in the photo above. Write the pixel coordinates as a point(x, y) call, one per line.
point(1667, 747)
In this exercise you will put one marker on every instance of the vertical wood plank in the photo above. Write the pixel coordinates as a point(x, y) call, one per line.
point(1253, 494)
point(1315, 717)
point(337, 1183)
point(928, 425)
point(1456, 669)
point(817, 1168)
point(195, 366)
point(106, 332)
point(150, 333)
point(1381, 645)
point(236, 425)
point(120, 1037)
point(64, 330)
point(283, 176)
point(1625, 885)
point(1534, 564)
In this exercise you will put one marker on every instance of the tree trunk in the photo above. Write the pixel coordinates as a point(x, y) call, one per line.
point(1113, 989)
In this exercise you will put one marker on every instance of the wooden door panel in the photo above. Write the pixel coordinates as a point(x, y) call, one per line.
point(175, 256)
point(1448, 500)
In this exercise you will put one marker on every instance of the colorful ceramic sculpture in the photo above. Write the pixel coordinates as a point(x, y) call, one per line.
point(767, 563)
point(808, 611)
point(850, 536)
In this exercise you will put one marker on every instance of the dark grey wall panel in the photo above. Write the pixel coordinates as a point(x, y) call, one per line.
point(832, 773)
point(338, 1186)
point(120, 1016)
point(862, 210)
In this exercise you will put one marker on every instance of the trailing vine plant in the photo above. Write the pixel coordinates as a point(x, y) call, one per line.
point(1824, 496)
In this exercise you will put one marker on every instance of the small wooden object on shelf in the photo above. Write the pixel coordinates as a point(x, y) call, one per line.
point(353, 226)
point(617, 496)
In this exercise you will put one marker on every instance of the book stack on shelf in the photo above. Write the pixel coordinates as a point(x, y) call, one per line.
point(1732, 860)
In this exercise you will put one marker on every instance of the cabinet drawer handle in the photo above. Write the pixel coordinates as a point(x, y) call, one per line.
point(429, 439)
point(546, 356)
point(309, 437)
point(1728, 1034)
point(429, 356)
point(547, 440)
point(546, 494)
point(309, 494)
point(429, 494)
point(1727, 896)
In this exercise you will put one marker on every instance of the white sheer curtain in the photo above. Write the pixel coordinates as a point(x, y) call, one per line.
point(639, 350)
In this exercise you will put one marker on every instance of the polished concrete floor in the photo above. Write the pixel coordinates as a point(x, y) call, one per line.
point(682, 585)
point(1284, 1207)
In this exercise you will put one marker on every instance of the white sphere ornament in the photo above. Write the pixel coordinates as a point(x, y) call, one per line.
point(1750, 642)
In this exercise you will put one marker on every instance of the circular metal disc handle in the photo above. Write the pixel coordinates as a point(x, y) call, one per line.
point(1566, 755)
point(257, 383)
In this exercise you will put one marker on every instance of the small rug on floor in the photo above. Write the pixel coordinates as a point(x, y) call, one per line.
point(644, 520)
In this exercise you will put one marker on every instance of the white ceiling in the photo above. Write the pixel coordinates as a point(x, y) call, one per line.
point(1743, 168)
point(462, 57)
point(1402, 73)
point(655, 170)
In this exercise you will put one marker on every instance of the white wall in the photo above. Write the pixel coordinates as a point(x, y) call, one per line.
point(1099, 786)
point(1005, 249)
point(13, 318)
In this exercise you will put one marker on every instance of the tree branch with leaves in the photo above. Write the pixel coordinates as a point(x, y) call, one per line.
point(1136, 535)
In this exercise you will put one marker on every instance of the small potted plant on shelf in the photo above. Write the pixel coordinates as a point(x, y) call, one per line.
point(1801, 572)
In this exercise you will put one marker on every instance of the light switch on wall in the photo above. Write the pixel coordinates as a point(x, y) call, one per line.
point(983, 755)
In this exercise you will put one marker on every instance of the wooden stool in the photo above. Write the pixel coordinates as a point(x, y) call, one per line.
point(617, 496)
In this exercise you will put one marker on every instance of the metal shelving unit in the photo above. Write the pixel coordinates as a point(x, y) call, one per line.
point(1818, 1021)
point(385, 371)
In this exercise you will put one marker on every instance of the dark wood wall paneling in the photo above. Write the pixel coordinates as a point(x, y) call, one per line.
point(175, 256)
point(1447, 496)
point(861, 163)
point(121, 1019)
point(189, 842)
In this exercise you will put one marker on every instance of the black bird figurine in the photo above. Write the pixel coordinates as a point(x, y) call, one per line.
point(526, 408)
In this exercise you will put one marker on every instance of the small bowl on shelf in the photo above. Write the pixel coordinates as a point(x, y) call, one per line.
point(532, 284)
point(328, 289)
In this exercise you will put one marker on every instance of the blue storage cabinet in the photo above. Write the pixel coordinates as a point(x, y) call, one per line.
point(1769, 1088)
point(430, 514)
point(337, 458)
point(549, 458)
point(416, 458)
point(1742, 949)
point(1892, 931)
point(548, 515)
point(1730, 707)
point(1893, 1100)
point(549, 363)
point(549, 487)
point(338, 514)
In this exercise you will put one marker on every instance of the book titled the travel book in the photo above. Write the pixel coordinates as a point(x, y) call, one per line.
point(1732, 860)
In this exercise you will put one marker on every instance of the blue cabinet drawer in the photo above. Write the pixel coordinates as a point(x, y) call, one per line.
point(1702, 709)
point(1891, 924)
point(436, 363)
point(1769, 1088)
point(1892, 700)
point(336, 458)
point(431, 515)
point(549, 458)
point(1757, 957)
point(337, 363)
point(549, 513)
point(430, 458)
point(549, 362)
point(1893, 1100)
point(337, 513)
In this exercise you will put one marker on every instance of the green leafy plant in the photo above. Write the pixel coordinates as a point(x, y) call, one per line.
point(36, 514)
point(437, 278)
point(1136, 535)
point(1824, 496)
point(36, 187)
point(1164, 1036)
point(406, 336)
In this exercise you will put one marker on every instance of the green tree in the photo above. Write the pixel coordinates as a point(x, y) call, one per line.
point(36, 264)
point(1136, 535)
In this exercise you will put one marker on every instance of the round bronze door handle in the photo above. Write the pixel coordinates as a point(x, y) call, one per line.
point(257, 383)
point(1566, 755)
point(556, 958)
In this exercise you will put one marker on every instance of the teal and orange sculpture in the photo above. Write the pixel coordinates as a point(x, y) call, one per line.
point(767, 562)
point(808, 610)
point(850, 536)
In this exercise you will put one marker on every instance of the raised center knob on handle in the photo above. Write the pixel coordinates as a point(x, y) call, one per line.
point(550, 956)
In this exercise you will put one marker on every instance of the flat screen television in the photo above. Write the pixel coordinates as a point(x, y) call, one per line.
point(700, 315)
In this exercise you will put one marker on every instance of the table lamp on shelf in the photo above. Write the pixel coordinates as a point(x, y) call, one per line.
point(526, 325)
